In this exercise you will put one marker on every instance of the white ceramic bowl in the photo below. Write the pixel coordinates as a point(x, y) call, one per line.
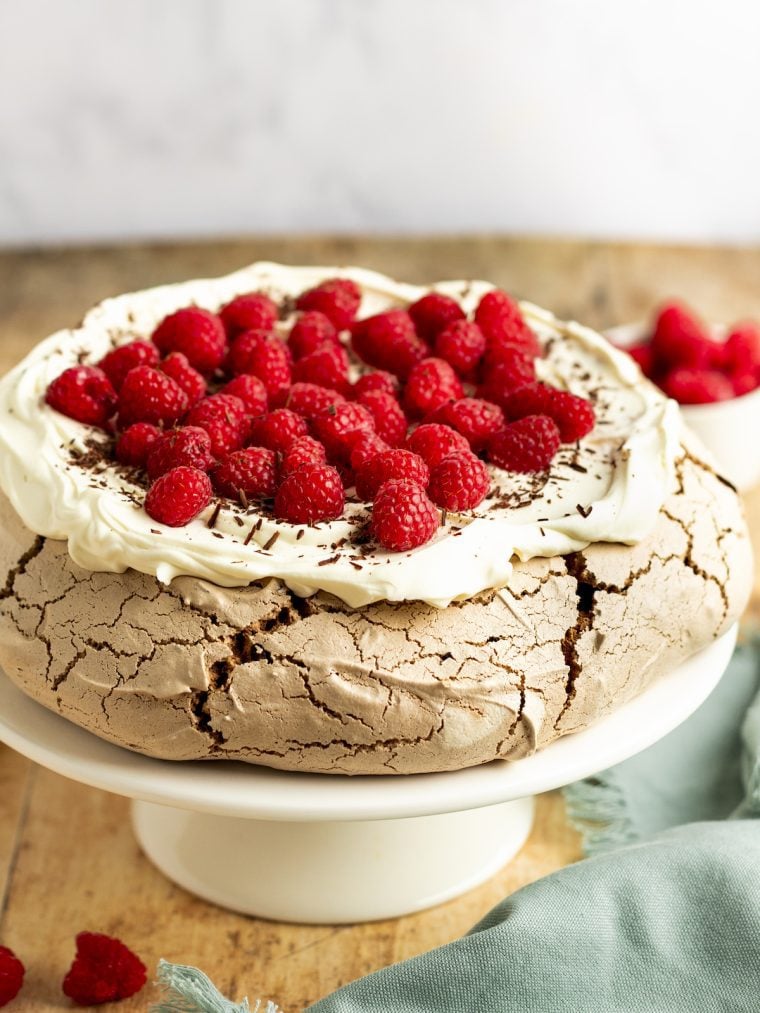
point(726, 428)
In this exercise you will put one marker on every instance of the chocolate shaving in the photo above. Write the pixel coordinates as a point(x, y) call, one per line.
point(270, 542)
point(583, 511)
point(214, 516)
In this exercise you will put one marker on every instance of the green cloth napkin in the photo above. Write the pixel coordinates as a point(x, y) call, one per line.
point(663, 918)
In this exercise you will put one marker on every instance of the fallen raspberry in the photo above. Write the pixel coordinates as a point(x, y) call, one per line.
point(190, 380)
point(336, 425)
point(104, 969)
point(148, 395)
point(305, 450)
point(387, 465)
point(432, 313)
point(390, 422)
point(278, 430)
point(178, 496)
point(265, 356)
point(309, 333)
point(11, 975)
point(311, 494)
point(462, 345)
point(118, 363)
point(459, 482)
point(377, 380)
point(389, 341)
point(135, 443)
point(574, 415)
point(197, 333)
point(507, 370)
point(526, 445)
point(83, 393)
point(224, 418)
point(327, 366)
point(697, 386)
point(248, 312)
point(680, 339)
point(742, 349)
point(434, 441)
point(475, 419)
point(309, 400)
point(247, 474)
point(365, 446)
point(190, 446)
point(337, 298)
point(402, 515)
point(250, 390)
point(431, 383)
point(502, 323)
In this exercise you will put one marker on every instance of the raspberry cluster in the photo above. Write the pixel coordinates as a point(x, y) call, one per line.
point(684, 358)
point(225, 404)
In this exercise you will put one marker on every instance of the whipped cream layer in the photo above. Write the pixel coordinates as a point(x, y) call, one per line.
point(608, 487)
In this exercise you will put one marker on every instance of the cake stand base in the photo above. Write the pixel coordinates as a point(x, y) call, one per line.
point(331, 872)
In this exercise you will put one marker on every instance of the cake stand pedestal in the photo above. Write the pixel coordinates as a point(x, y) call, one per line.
point(325, 849)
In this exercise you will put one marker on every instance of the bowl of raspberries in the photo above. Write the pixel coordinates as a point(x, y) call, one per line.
point(713, 372)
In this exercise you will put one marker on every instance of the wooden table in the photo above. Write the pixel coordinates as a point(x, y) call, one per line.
point(68, 860)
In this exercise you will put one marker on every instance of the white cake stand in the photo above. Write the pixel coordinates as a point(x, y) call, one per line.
point(328, 849)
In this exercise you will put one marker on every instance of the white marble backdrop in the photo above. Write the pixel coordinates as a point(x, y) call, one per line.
point(127, 118)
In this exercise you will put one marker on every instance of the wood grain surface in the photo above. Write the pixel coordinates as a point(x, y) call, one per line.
point(68, 860)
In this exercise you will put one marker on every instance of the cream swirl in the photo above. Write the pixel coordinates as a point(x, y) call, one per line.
point(610, 487)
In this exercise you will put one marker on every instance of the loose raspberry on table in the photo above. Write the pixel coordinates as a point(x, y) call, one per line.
point(197, 333)
point(190, 446)
point(135, 443)
point(310, 400)
point(697, 386)
point(402, 515)
point(390, 422)
point(310, 331)
point(264, 355)
point(475, 419)
point(377, 380)
point(117, 363)
point(527, 445)
point(83, 393)
point(680, 339)
point(434, 441)
point(224, 418)
point(389, 342)
point(11, 975)
point(459, 482)
point(507, 370)
point(575, 416)
point(305, 450)
point(278, 430)
point(327, 366)
point(104, 970)
point(434, 312)
point(337, 424)
point(178, 496)
point(250, 390)
point(431, 383)
point(337, 298)
point(247, 474)
point(387, 465)
point(311, 494)
point(364, 446)
point(462, 345)
point(190, 380)
point(148, 395)
point(248, 312)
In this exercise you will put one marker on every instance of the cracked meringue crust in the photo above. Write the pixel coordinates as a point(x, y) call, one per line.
point(192, 670)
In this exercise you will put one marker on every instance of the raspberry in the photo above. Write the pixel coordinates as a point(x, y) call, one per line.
point(526, 445)
point(247, 474)
point(378, 379)
point(507, 370)
point(337, 424)
point(251, 311)
point(390, 464)
point(742, 348)
point(197, 333)
point(402, 515)
point(309, 333)
point(462, 345)
point(118, 363)
point(309, 400)
point(743, 383)
point(431, 383)
point(264, 355)
point(643, 357)
point(365, 446)
point(224, 418)
point(178, 496)
point(433, 442)
point(531, 399)
point(305, 450)
point(11, 975)
point(679, 339)
point(84, 393)
point(434, 312)
point(459, 482)
point(325, 367)
point(574, 415)
point(148, 395)
point(190, 446)
point(313, 493)
point(250, 390)
point(190, 380)
point(388, 341)
point(278, 430)
point(337, 298)
point(390, 422)
point(103, 970)
point(476, 420)
point(697, 386)
point(501, 321)
point(135, 443)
